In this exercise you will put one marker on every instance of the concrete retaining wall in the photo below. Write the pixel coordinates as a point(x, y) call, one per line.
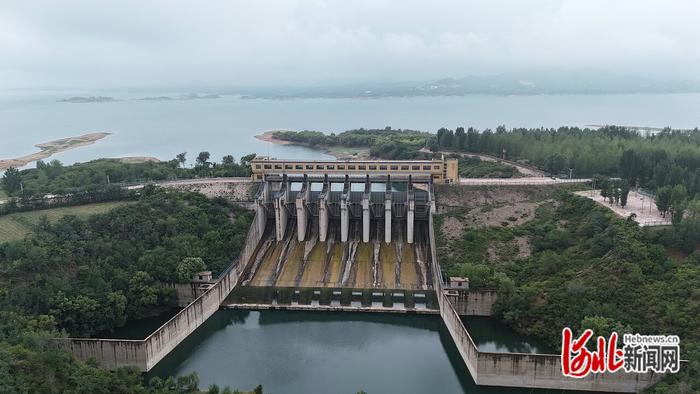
point(544, 371)
point(186, 292)
point(463, 341)
point(110, 353)
point(474, 302)
point(144, 354)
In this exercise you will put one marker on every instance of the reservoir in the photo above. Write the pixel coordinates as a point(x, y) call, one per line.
point(325, 352)
point(227, 125)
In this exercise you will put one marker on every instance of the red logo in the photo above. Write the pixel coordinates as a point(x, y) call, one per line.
point(577, 361)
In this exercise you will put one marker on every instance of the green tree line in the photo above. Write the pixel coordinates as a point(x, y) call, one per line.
point(55, 178)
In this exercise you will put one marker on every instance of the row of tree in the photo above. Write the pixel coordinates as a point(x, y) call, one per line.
point(55, 178)
point(616, 191)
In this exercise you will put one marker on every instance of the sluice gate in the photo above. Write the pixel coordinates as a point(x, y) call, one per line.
point(343, 232)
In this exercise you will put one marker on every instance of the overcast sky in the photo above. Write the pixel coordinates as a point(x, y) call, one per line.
point(232, 43)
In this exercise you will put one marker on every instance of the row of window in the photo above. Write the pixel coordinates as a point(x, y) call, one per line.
point(350, 167)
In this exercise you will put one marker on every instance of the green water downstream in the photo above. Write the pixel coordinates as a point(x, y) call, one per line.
point(323, 352)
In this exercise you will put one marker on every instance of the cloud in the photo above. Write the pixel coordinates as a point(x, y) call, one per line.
point(129, 43)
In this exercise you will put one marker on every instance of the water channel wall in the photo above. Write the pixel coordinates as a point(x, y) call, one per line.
point(517, 369)
point(144, 354)
point(473, 303)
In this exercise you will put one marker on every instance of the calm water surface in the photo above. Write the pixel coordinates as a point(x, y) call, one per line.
point(228, 125)
point(322, 352)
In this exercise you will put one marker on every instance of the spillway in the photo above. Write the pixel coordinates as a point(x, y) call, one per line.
point(335, 264)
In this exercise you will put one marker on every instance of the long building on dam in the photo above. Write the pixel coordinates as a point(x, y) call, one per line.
point(438, 170)
point(331, 236)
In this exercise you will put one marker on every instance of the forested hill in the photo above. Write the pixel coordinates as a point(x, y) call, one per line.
point(78, 277)
point(583, 268)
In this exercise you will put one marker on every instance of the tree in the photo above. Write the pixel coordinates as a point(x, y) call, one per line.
point(460, 139)
point(445, 137)
point(245, 160)
point(663, 199)
point(181, 158)
point(203, 159)
point(555, 163)
point(188, 267)
point(228, 160)
point(604, 188)
point(624, 192)
point(12, 180)
point(679, 196)
point(628, 165)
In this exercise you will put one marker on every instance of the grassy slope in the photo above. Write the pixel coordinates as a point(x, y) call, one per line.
point(15, 226)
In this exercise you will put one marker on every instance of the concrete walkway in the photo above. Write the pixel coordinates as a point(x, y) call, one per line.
point(641, 205)
point(519, 181)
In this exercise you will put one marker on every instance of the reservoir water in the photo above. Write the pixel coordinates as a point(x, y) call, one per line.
point(322, 352)
point(227, 125)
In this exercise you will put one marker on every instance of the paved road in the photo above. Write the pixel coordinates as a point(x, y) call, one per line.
point(196, 181)
point(519, 181)
point(524, 170)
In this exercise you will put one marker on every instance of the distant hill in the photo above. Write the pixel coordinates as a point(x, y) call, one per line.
point(502, 84)
point(90, 99)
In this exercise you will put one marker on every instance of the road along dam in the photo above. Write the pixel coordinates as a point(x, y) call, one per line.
point(349, 242)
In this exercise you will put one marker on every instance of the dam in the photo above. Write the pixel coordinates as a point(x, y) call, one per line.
point(352, 242)
point(341, 242)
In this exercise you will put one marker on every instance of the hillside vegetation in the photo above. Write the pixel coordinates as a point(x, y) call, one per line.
point(576, 265)
point(16, 226)
point(78, 276)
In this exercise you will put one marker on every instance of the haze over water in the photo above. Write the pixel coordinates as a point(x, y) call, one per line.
point(228, 125)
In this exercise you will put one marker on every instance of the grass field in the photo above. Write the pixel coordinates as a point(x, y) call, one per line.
point(3, 195)
point(17, 225)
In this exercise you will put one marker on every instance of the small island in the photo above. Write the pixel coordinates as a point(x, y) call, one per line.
point(90, 99)
point(156, 98)
point(190, 96)
point(51, 148)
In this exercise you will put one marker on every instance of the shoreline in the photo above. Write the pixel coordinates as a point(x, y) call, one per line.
point(269, 136)
point(47, 149)
point(335, 151)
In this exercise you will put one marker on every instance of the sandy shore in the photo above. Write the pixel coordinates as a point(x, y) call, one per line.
point(339, 152)
point(269, 136)
point(52, 147)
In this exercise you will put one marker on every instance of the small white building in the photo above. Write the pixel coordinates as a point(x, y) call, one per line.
point(202, 277)
point(458, 283)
